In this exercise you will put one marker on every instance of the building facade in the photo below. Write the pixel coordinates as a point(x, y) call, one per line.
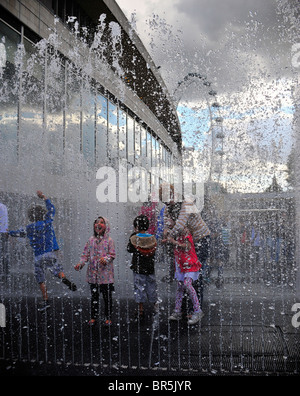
point(79, 93)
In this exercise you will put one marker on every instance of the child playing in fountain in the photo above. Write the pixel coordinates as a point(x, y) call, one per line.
point(43, 241)
point(99, 253)
point(187, 270)
point(143, 246)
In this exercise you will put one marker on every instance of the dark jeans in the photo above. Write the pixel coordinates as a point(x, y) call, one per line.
point(106, 291)
point(203, 249)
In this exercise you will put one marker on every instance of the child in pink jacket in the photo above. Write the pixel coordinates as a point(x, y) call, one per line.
point(99, 252)
point(187, 270)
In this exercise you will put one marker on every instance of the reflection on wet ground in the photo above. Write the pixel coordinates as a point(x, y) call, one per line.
point(247, 329)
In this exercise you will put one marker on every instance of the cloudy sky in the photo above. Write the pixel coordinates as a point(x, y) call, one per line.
point(245, 49)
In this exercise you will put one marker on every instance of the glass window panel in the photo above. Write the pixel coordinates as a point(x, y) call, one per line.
point(54, 113)
point(34, 60)
point(73, 110)
point(101, 137)
point(33, 138)
point(154, 154)
point(149, 149)
point(9, 99)
point(33, 76)
point(168, 163)
point(8, 131)
point(169, 159)
point(112, 130)
point(154, 184)
point(9, 41)
point(137, 142)
point(171, 169)
point(146, 184)
point(158, 153)
point(161, 161)
point(144, 158)
point(129, 180)
point(164, 152)
point(149, 185)
point(130, 139)
point(122, 134)
point(143, 142)
point(88, 125)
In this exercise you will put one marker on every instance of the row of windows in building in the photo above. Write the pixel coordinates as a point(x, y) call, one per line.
point(42, 91)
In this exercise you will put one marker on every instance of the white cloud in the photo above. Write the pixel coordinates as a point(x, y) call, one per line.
point(245, 49)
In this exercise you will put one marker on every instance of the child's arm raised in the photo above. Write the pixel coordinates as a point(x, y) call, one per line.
point(41, 195)
point(50, 207)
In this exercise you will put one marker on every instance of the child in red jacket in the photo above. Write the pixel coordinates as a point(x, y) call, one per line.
point(187, 270)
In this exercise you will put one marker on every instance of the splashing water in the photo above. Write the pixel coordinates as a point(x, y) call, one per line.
point(56, 124)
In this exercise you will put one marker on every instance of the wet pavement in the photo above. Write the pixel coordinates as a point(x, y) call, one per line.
point(246, 330)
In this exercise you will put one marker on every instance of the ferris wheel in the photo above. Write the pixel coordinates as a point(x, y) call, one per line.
point(215, 125)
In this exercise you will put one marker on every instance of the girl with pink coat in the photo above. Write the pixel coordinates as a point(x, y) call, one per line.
point(186, 271)
point(99, 252)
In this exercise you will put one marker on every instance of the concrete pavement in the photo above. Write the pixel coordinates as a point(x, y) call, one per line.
point(246, 330)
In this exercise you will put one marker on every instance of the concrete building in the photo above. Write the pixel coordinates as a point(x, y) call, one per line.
point(79, 92)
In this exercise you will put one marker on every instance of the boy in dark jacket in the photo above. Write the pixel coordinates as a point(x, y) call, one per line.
point(143, 247)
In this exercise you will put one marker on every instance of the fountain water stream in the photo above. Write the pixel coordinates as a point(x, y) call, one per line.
point(58, 126)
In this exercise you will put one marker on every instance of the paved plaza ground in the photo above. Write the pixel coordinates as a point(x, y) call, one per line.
point(246, 330)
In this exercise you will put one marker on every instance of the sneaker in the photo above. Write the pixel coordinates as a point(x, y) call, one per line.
point(175, 316)
point(45, 305)
point(107, 322)
point(92, 322)
point(70, 285)
point(196, 317)
point(73, 287)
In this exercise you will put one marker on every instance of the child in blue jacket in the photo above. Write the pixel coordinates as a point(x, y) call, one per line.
point(43, 241)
